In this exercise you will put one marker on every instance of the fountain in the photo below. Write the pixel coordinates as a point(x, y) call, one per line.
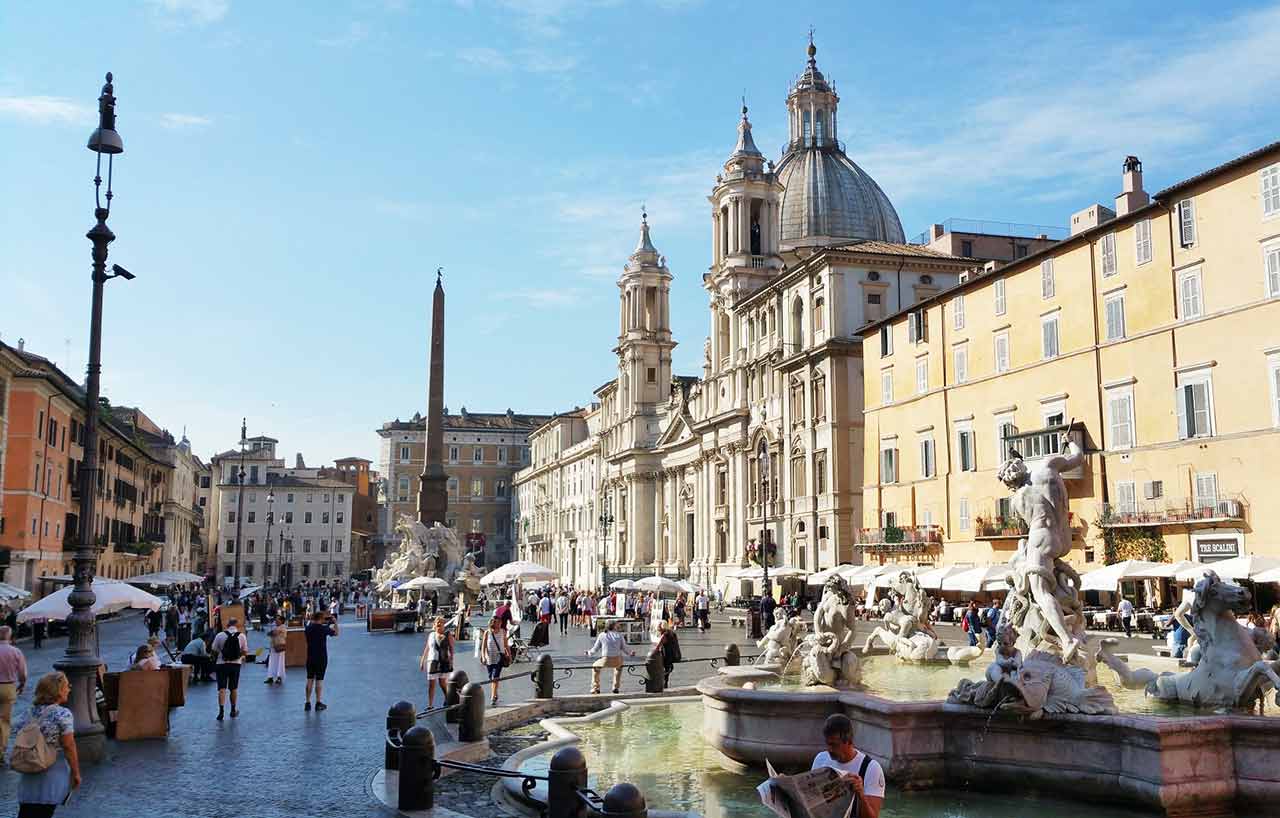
point(1039, 720)
point(430, 552)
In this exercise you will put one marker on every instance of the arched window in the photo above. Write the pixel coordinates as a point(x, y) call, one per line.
point(797, 322)
point(819, 123)
point(806, 125)
point(751, 330)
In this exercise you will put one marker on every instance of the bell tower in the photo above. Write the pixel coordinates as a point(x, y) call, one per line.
point(644, 339)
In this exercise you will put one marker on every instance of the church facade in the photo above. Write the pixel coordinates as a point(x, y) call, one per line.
point(696, 473)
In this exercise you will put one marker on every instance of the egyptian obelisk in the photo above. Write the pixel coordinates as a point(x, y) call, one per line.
point(433, 495)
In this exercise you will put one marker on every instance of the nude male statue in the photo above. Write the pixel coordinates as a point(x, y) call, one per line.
point(1040, 498)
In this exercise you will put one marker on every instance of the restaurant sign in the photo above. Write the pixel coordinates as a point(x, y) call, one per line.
point(1217, 550)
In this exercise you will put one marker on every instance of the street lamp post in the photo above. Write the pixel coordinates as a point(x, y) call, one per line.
point(765, 537)
point(606, 520)
point(80, 662)
point(235, 581)
point(266, 558)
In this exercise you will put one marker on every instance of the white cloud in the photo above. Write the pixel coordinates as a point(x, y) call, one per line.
point(530, 60)
point(44, 110)
point(199, 12)
point(178, 121)
point(355, 33)
point(545, 297)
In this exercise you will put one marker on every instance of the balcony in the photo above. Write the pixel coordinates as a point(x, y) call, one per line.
point(757, 262)
point(1187, 511)
point(899, 540)
point(999, 528)
point(1039, 444)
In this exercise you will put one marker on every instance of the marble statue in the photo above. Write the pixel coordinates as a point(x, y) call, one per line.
point(779, 645)
point(906, 630)
point(1231, 672)
point(831, 656)
point(467, 582)
point(424, 552)
point(1034, 686)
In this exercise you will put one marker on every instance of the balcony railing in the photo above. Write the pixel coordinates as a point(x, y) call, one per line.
point(997, 528)
point(899, 539)
point(1173, 511)
point(757, 262)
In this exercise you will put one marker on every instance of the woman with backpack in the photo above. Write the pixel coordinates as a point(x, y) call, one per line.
point(47, 779)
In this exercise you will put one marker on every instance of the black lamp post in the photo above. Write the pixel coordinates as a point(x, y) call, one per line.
point(235, 581)
point(266, 558)
point(80, 663)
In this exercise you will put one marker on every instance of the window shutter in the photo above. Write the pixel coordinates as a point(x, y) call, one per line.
point(1271, 190)
point(1187, 221)
point(1187, 411)
point(1273, 270)
point(923, 328)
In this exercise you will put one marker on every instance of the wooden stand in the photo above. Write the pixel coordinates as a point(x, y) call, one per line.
point(295, 648)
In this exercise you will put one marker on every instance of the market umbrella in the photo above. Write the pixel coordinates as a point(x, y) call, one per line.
point(821, 577)
point(688, 587)
point(1110, 577)
point(8, 592)
point(1235, 568)
point(931, 579)
point(973, 580)
point(424, 584)
point(862, 574)
point(517, 571)
point(1267, 576)
point(780, 572)
point(886, 578)
point(112, 595)
point(660, 585)
point(245, 593)
point(1168, 570)
point(622, 585)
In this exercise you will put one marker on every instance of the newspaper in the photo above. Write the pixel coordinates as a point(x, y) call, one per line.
point(820, 793)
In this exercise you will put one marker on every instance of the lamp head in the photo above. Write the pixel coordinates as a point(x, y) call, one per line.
point(105, 139)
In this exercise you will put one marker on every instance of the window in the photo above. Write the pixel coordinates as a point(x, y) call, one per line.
point(819, 398)
point(477, 454)
point(888, 461)
point(928, 465)
point(964, 513)
point(203, 502)
point(1195, 405)
point(306, 569)
point(306, 546)
point(311, 497)
point(1187, 222)
point(651, 375)
point(453, 454)
point(1047, 285)
point(886, 340)
point(1270, 190)
point(402, 490)
point(1114, 307)
point(797, 475)
point(404, 454)
point(1271, 263)
point(231, 516)
point(886, 385)
point(306, 518)
point(997, 290)
point(1126, 497)
point(250, 546)
point(1206, 490)
point(966, 248)
point(819, 473)
point(1142, 241)
point(966, 447)
point(1273, 370)
point(1109, 255)
point(324, 546)
point(453, 487)
point(1049, 336)
point(819, 320)
point(922, 374)
point(253, 474)
point(1120, 412)
point(1189, 294)
point(960, 362)
point(341, 498)
point(252, 517)
point(502, 454)
point(957, 312)
point(231, 546)
point(288, 517)
point(324, 518)
point(1002, 351)
point(917, 326)
point(477, 487)
point(1005, 431)
point(500, 488)
point(477, 525)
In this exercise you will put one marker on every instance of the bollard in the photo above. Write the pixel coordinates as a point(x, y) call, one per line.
point(624, 801)
point(471, 721)
point(417, 770)
point(400, 717)
point(566, 775)
point(544, 678)
point(453, 695)
point(732, 657)
point(656, 673)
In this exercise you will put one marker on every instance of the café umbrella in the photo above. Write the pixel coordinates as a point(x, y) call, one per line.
point(1245, 567)
point(111, 595)
point(520, 570)
point(424, 584)
point(1109, 578)
point(660, 585)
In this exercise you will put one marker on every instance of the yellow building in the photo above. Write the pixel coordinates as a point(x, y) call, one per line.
point(1155, 329)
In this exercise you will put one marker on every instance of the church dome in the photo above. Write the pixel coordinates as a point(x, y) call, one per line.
point(827, 197)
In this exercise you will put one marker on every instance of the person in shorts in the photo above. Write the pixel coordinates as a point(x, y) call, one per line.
point(437, 660)
point(493, 650)
point(318, 631)
point(229, 649)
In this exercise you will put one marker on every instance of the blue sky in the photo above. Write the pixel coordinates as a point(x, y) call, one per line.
point(295, 172)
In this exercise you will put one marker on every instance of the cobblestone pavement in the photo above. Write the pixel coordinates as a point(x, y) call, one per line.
point(276, 760)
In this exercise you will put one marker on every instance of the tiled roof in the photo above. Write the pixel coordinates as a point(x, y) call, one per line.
point(495, 421)
point(889, 248)
point(1225, 166)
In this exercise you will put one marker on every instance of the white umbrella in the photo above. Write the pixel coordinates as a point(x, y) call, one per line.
point(8, 592)
point(821, 577)
point(1171, 569)
point(1244, 567)
point(424, 584)
point(245, 593)
point(857, 575)
point(1109, 578)
point(165, 578)
point(520, 570)
point(886, 578)
point(688, 587)
point(973, 580)
point(112, 595)
point(931, 579)
point(622, 585)
point(1267, 576)
point(780, 572)
point(661, 585)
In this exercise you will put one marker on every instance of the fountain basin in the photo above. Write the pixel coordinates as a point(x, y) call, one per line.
point(1187, 765)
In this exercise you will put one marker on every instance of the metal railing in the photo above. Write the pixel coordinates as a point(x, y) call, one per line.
point(1172, 511)
point(986, 227)
point(909, 534)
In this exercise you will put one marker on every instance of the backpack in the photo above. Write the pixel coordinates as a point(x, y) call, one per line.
point(31, 753)
point(231, 647)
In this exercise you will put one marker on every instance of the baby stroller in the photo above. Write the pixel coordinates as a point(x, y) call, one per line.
point(519, 650)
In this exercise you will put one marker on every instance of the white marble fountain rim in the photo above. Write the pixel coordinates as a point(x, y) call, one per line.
point(562, 736)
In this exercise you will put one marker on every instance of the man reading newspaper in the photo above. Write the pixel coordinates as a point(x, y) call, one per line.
point(842, 783)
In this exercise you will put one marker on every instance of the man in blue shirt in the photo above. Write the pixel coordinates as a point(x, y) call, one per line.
point(317, 632)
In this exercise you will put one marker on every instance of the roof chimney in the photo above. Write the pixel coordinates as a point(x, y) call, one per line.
point(1131, 196)
point(22, 344)
point(299, 463)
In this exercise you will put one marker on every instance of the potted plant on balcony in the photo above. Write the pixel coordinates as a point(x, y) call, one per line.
point(893, 533)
